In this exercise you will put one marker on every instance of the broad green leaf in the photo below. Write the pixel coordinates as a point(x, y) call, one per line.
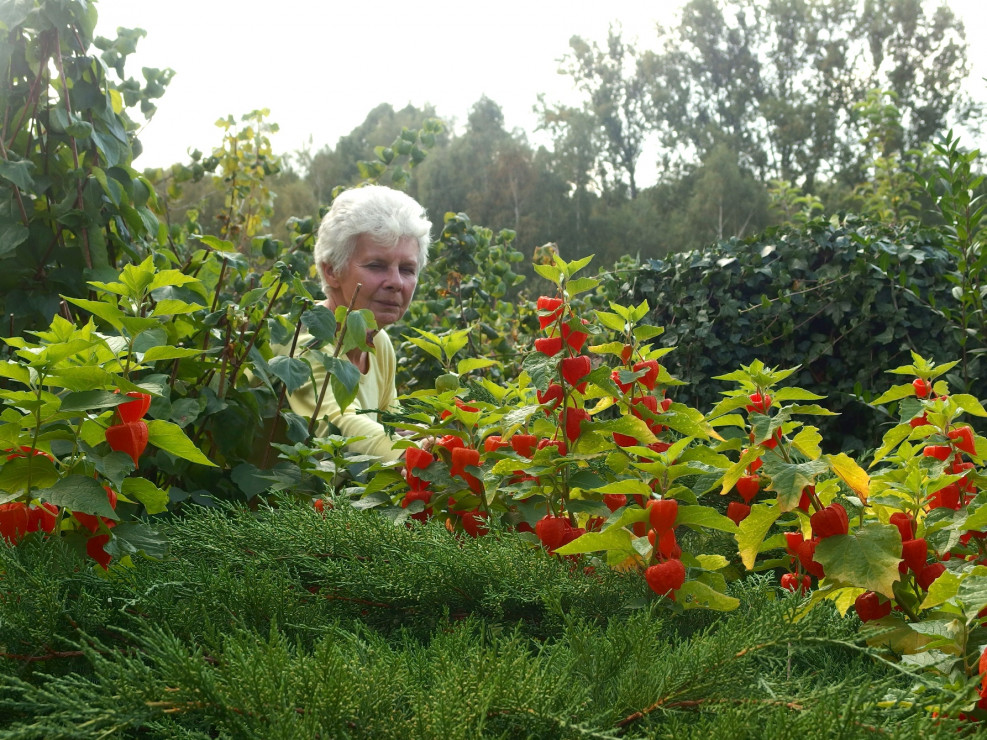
point(795, 394)
point(12, 235)
point(630, 426)
point(167, 352)
point(866, 559)
point(20, 473)
point(752, 531)
point(611, 539)
point(685, 421)
point(80, 493)
point(580, 285)
point(169, 437)
point(321, 324)
point(895, 393)
point(173, 307)
point(131, 538)
point(612, 321)
point(739, 469)
point(894, 437)
point(698, 595)
point(788, 480)
point(644, 333)
point(171, 279)
point(548, 272)
point(712, 562)
point(470, 364)
point(429, 347)
point(85, 400)
point(972, 593)
point(140, 489)
point(943, 589)
point(344, 381)
point(969, 404)
point(629, 487)
point(291, 371)
point(15, 371)
point(705, 517)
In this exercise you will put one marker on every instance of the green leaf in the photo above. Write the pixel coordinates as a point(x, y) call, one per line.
point(895, 393)
point(110, 314)
point(291, 371)
point(80, 493)
point(19, 173)
point(580, 285)
point(612, 321)
point(321, 324)
point(141, 489)
point(12, 235)
point(344, 382)
point(866, 559)
point(85, 400)
point(807, 442)
point(698, 595)
point(704, 517)
point(612, 539)
point(752, 531)
point(131, 538)
point(789, 479)
point(36, 471)
point(894, 437)
point(795, 394)
point(474, 363)
point(969, 404)
point(167, 352)
point(169, 437)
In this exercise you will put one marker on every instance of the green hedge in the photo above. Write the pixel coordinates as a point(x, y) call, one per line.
point(281, 623)
point(844, 300)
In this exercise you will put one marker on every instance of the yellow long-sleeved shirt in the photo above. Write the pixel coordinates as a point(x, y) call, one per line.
point(376, 391)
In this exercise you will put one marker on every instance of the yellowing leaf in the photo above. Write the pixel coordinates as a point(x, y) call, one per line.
point(851, 474)
point(807, 442)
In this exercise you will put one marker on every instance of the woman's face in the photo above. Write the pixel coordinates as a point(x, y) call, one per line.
point(387, 276)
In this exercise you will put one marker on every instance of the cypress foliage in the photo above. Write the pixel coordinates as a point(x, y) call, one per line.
point(281, 623)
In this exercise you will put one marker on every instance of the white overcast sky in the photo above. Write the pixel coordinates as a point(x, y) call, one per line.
point(321, 65)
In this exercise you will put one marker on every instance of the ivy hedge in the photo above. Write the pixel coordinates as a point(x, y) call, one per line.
point(843, 299)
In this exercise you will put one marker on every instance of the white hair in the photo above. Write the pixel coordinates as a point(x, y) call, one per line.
point(383, 214)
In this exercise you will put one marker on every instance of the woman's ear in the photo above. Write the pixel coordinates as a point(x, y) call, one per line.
point(331, 278)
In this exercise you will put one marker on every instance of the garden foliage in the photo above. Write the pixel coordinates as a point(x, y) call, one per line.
point(646, 440)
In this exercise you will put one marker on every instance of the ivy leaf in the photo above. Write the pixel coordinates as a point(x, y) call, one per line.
point(866, 559)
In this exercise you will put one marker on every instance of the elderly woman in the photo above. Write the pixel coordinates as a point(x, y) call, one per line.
point(372, 245)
